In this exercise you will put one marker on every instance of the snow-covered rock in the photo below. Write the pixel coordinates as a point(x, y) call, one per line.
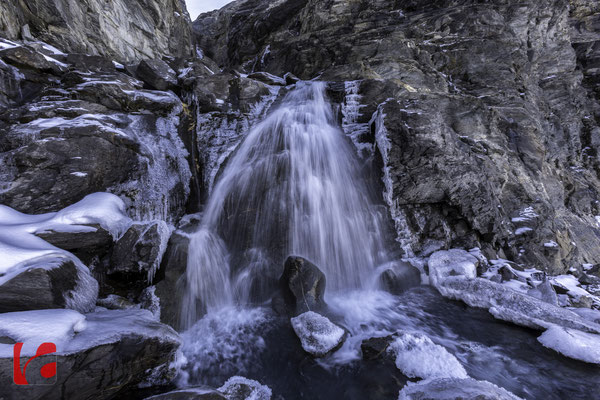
point(317, 333)
point(453, 388)
point(106, 351)
point(453, 262)
point(512, 306)
point(572, 343)
point(240, 388)
point(418, 357)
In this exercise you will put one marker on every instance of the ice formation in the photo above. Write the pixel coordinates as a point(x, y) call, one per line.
point(317, 333)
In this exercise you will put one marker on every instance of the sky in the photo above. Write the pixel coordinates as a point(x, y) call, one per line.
point(196, 7)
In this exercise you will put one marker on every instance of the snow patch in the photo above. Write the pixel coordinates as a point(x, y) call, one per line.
point(572, 343)
point(238, 386)
point(418, 357)
point(317, 333)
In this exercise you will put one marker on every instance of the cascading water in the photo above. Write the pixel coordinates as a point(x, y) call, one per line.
point(292, 187)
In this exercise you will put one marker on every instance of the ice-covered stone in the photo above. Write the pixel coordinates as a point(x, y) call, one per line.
point(453, 262)
point(572, 343)
point(317, 333)
point(240, 388)
point(512, 306)
point(453, 388)
point(418, 357)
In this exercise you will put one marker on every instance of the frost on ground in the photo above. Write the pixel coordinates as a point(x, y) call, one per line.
point(317, 333)
point(454, 388)
point(73, 332)
point(572, 343)
point(238, 387)
point(453, 262)
point(418, 357)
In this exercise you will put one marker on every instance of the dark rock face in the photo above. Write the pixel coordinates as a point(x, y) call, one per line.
point(85, 131)
point(477, 114)
point(124, 31)
point(302, 286)
point(190, 394)
point(45, 286)
point(89, 247)
point(400, 277)
point(157, 74)
point(137, 256)
point(376, 348)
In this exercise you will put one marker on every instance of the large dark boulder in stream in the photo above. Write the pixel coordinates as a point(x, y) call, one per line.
point(301, 287)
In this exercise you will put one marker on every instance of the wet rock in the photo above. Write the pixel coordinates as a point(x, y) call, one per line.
point(376, 347)
point(301, 287)
point(100, 355)
point(240, 388)
point(137, 256)
point(318, 335)
point(290, 78)
point(399, 278)
point(46, 284)
point(157, 74)
point(452, 388)
point(171, 278)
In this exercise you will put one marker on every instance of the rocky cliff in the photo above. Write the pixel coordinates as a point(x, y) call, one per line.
point(122, 30)
point(482, 117)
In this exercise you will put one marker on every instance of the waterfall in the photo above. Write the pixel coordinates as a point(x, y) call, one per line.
point(293, 186)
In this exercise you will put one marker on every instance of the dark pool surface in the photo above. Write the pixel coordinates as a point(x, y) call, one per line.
point(491, 350)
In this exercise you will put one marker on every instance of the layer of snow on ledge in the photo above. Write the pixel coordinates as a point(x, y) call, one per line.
point(453, 262)
point(572, 343)
point(452, 388)
point(418, 357)
point(73, 332)
point(317, 334)
point(235, 388)
point(18, 244)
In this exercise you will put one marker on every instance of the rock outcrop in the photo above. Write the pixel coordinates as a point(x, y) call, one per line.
point(476, 114)
point(123, 30)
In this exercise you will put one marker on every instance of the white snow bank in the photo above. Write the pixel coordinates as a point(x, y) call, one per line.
point(418, 357)
point(453, 262)
point(571, 283)
point(452, 389)
point(572, 343)
point(19, 245)
point(73, 332)
point(237, 386)
point(509, 305)
point(317, 333)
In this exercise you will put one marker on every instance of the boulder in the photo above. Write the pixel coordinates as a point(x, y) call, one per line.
point(301, 287)
point(46, 283)
point(399, 277)
point(240, 388)
point(137, 256)
point(26, 58)
point(157, 74)
point(453, 262)
point(544, 292)
point(454, 388)
point(86, 62)
point(318, 335)
point(376, 347)
point(98, 356)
